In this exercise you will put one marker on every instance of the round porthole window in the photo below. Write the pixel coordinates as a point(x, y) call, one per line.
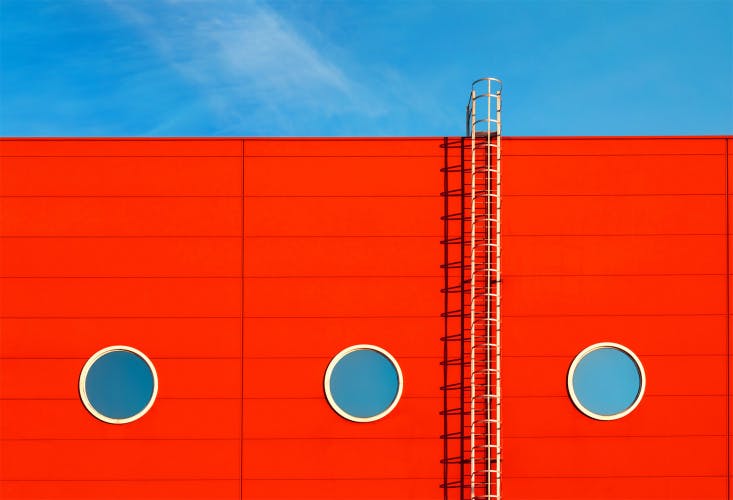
point(606, 381)
point(363, 383)
point(118, 384)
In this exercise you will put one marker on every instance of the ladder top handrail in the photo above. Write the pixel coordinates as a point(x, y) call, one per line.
point(474, 96)
point(489, 79)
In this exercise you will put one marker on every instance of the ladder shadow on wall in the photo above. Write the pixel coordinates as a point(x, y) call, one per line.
point(455, 292)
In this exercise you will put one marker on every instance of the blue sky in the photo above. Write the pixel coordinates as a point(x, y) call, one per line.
point(362, 68)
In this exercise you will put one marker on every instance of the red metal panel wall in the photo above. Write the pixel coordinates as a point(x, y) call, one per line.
point(242, 267)
point(342, 247)
point(620, 240)
point(134, 242)
point(142, 243)
point(729, 193)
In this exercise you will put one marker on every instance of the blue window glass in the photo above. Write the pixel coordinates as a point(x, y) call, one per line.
point(607, 381)
point(363, 383)
point(118, 385)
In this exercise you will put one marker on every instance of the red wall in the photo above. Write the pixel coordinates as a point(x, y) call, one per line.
point(621, 240)
point(145, 243)
point(240, 267)
point(121, 242)
point(341, 247)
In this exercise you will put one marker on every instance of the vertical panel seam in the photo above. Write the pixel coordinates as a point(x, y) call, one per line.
point(446, 319)
point(727, 317)
point(241, 362)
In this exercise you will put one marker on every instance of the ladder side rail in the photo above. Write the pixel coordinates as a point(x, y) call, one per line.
point(472, 303)
point(497, 301)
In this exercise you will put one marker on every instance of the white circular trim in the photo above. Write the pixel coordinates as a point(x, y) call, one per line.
point(85, 372)
point(585, 352)
point(339, 357)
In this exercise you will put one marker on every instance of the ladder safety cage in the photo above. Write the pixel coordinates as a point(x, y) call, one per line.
point(483, 125)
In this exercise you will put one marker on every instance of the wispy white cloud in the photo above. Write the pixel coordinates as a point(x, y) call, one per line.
point(249, 63)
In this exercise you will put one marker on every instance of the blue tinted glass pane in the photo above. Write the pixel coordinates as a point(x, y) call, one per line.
point(607, 381)
point(119, 384)
point(364, 383)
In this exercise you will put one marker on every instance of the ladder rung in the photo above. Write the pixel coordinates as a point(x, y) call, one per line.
point(485, 371)
point(485, 446)
point(484, 95)
point(483, 471)
point(484, 396)
point(485, 421)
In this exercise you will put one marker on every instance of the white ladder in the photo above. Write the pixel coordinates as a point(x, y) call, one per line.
point(484, 125)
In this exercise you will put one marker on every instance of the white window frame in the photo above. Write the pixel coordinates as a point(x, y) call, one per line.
point(579, 358)
point(85, 372)
point(339, 357)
